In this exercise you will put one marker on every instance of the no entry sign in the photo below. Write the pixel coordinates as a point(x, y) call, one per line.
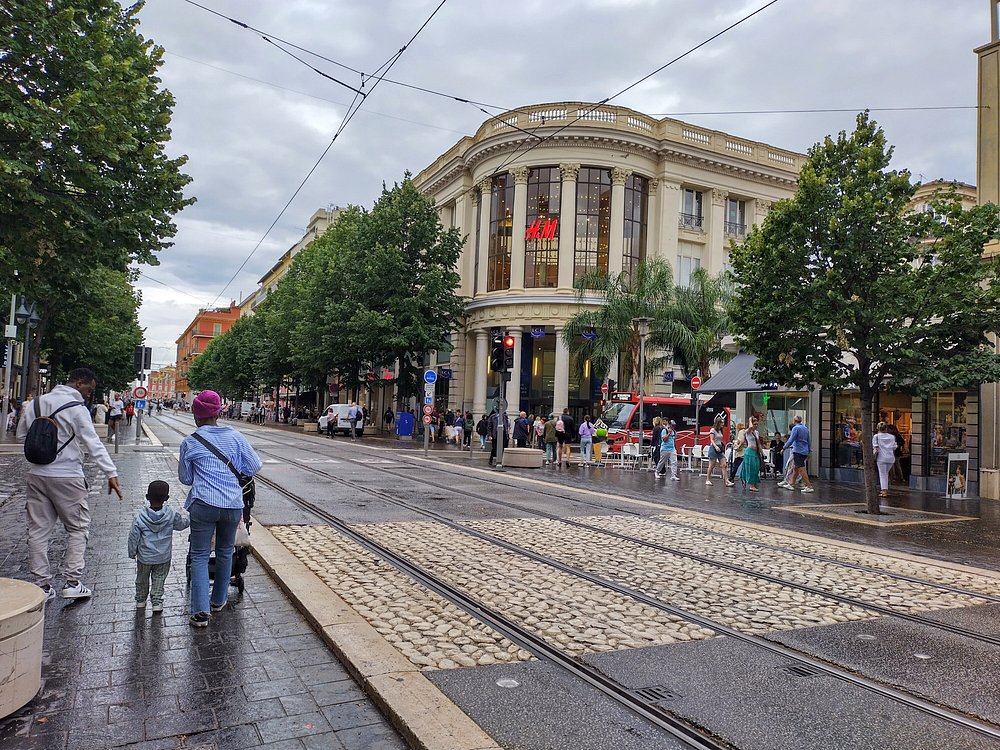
point(696, 382)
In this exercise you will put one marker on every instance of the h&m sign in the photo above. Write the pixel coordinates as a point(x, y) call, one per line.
point(541, 230)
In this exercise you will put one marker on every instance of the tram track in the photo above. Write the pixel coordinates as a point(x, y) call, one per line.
point(530, 641)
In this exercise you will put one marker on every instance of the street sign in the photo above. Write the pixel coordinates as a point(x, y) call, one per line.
point(427, 419)
point(604, 388)
point(696, 382)
point(501, 404)
point(428, 408)
point(430, 377)
point(140, 404)
point(428, 399)
point(140, 392)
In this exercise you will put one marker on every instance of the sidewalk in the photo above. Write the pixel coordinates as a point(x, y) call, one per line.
point(117, 678)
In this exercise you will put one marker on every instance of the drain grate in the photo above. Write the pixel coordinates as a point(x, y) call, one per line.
point(657, 693)
point(801, 670)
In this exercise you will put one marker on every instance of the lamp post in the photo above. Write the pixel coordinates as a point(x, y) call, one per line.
point(10, 334)
point(642, 327)
point(27, 317)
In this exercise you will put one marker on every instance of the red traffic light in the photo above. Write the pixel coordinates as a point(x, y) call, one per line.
point(508, 342)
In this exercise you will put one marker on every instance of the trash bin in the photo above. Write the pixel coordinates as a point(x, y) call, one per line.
point(22, 620)
point(404, 426)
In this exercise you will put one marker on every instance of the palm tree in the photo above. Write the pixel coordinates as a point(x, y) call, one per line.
point(648, 292)
point(700, 308)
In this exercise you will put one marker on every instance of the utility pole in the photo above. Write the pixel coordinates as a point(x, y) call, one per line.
point(10, 334)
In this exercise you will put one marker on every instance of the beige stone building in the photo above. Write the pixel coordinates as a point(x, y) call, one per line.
point(547, 193)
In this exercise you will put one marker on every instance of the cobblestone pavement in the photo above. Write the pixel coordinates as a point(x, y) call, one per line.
point(115, 678)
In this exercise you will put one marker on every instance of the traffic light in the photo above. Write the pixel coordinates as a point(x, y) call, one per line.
point(496, 353)
point(612, 386)
point(508, 353)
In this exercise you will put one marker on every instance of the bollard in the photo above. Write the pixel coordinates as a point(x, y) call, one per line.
point(22, 618)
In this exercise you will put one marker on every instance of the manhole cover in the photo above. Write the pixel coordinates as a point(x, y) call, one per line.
point(657, 693)
point(801, 670)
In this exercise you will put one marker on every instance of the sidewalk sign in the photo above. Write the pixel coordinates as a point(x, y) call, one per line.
point(958, 475)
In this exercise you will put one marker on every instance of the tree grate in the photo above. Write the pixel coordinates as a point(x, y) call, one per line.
point(801, 670)
point(657, 693)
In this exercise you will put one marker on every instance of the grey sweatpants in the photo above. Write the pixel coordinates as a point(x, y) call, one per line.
point(51, 499)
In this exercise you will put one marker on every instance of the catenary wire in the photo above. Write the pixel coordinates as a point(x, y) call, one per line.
point(172, 288)
point(352, 111)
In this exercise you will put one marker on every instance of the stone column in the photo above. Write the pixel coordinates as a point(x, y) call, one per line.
point(514, 386)
point(617, 239)
point(567, 224)
point(482, 252)
point(761, 208)
point(479, 362)
point(717, 239)
point(653, 219)
point(670, 208)
point(520, 219)
point(560, 380)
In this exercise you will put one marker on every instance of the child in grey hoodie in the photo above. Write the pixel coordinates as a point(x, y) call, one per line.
point(150, 544)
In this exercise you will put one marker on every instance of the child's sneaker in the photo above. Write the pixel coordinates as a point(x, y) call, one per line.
point(75, 590)
point(157, 608)
point(140, 605)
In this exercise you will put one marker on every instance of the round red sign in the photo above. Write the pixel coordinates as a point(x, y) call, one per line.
point(427, 418)
point(140, 392)
point(604, 387)
point(696, 382)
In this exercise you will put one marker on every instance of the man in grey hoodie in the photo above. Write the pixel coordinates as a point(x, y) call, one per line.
point(150, 544)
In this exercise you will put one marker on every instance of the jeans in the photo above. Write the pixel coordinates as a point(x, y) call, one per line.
point(143, 574)
point(207, 520)
point(586, 447)
point(550, 452)
point(482, 442)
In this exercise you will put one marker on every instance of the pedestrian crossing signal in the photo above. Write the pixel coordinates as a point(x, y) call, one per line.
point(508, 353)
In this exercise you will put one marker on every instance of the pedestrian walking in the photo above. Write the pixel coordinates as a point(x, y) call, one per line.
point(57, 491)
point(353, 415)
point(494, 423)
point(215, 501)
point(749, 472)
point(739, 447)
point(521, 428)
point(115, 413)
point(551, 440)
point(884, 445)
point(587, 430)
point(668, 451)
point(483, 430)
point(459, 426)
point(468, 427)
point(777, 454)
point(658, 428)
point(129, 413)
point(565, 429)
point(150, 544)
point(799, 444)
point(717, 451)
point(536, 432)
point(387, 419)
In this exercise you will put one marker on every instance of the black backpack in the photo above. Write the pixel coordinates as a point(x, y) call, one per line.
point(41, 446)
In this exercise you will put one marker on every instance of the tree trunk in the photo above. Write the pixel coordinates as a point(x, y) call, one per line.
point(867, 454)
point(35, 353)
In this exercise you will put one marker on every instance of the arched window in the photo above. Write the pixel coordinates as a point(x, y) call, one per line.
point(593, 221)
point(501, 223)
point(636, 219)
point(541, 239)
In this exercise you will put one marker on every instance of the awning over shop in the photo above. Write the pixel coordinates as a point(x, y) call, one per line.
point(736, 375)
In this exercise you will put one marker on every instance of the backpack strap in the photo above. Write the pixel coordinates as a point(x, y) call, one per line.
point(51, 416)
point(218, 454)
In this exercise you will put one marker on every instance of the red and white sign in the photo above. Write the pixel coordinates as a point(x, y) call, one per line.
point(428, 409)
point(696, 382)
point(539, 230)
point(604, 388)
point(427, 418)
point(140, 392)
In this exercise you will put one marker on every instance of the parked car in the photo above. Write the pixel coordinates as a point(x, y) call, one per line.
point(342, 424)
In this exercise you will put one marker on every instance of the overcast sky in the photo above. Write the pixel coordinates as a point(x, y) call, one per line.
point(253, 121)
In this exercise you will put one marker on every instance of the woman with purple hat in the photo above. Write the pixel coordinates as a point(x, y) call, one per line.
point(215, 502)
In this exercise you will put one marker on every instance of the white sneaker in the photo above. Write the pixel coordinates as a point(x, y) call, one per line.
point(50, 594)
point(708, 482)
point(676, 479)
point(807, 489)
point(786, 486)
point(783, 484)
point(140, 605)
point(157, 608)
point(79, 591)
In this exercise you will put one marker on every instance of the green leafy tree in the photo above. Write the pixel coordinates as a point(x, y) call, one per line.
point(84, 177)
point(229, 363)
point(700, 310)
point(101, 333)
point(647, 293)
point(842, 287)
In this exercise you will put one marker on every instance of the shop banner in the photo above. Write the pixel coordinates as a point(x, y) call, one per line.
point(958, 475)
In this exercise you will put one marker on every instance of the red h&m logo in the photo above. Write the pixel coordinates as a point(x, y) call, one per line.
point(541, 231)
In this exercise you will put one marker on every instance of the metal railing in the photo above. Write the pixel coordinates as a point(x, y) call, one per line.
point(735, 229)
point(691, 221)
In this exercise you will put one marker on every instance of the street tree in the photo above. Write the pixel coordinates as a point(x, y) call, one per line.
point(84, 176)
point(700, 309)
point(843, 287)
point(229, 363)
point(610, 304)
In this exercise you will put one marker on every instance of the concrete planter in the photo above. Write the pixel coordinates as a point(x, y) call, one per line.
point(22, 620)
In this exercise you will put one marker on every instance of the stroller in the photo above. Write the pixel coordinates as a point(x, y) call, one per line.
point(241, 554)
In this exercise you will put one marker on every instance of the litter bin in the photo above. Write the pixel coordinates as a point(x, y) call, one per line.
point(22, 620)
point(404, 426)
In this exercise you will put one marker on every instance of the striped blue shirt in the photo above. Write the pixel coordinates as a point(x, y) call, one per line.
point(211, 480)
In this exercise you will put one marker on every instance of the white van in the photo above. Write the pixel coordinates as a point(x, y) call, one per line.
point(342, 424)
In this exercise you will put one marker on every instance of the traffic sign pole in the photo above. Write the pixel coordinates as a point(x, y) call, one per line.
point(430, 378)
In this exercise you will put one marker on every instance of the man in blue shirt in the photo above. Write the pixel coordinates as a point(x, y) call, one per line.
point(798, 443)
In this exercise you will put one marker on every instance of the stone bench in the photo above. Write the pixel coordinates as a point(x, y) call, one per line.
point(523, 458)
point(22, 618)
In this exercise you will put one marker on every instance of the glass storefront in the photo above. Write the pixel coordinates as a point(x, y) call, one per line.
point(501, 224)
point(593, 222)
point(541, 246)
point(775, 411)
point(895, 409)
point(636, 219)
point(947, 420)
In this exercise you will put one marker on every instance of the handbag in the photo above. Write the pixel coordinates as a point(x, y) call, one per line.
point(246, 481)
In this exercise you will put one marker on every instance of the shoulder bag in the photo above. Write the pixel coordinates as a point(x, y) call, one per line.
point(246, 481)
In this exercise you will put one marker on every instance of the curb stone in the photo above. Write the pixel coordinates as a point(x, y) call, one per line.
point(427, 718)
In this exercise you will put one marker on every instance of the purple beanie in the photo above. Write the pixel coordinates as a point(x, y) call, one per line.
point(206, 405)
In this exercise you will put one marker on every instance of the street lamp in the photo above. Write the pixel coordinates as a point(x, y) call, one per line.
point(642, 327)
point(27, 317)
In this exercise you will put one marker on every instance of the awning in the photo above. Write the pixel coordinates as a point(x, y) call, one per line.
point(736, 375)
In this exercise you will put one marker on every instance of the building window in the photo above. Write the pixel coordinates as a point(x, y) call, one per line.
point(946, 416)
point(691, 216)
point(541, 243)
point(686, 265)
point(501, 222)
point(636, 219)
point(217, 329)
point(736, 217)
point(593, 222)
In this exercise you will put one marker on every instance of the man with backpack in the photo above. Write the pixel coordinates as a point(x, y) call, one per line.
point(52, 431)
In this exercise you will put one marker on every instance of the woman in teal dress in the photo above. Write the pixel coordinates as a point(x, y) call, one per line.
point(749, 471)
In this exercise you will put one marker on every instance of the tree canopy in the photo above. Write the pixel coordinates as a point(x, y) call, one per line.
point(843, 286)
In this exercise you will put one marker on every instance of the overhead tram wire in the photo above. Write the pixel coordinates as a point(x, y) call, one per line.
point(171, 288)
point(821, 110)
point(352, 111)
point(584, 113)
